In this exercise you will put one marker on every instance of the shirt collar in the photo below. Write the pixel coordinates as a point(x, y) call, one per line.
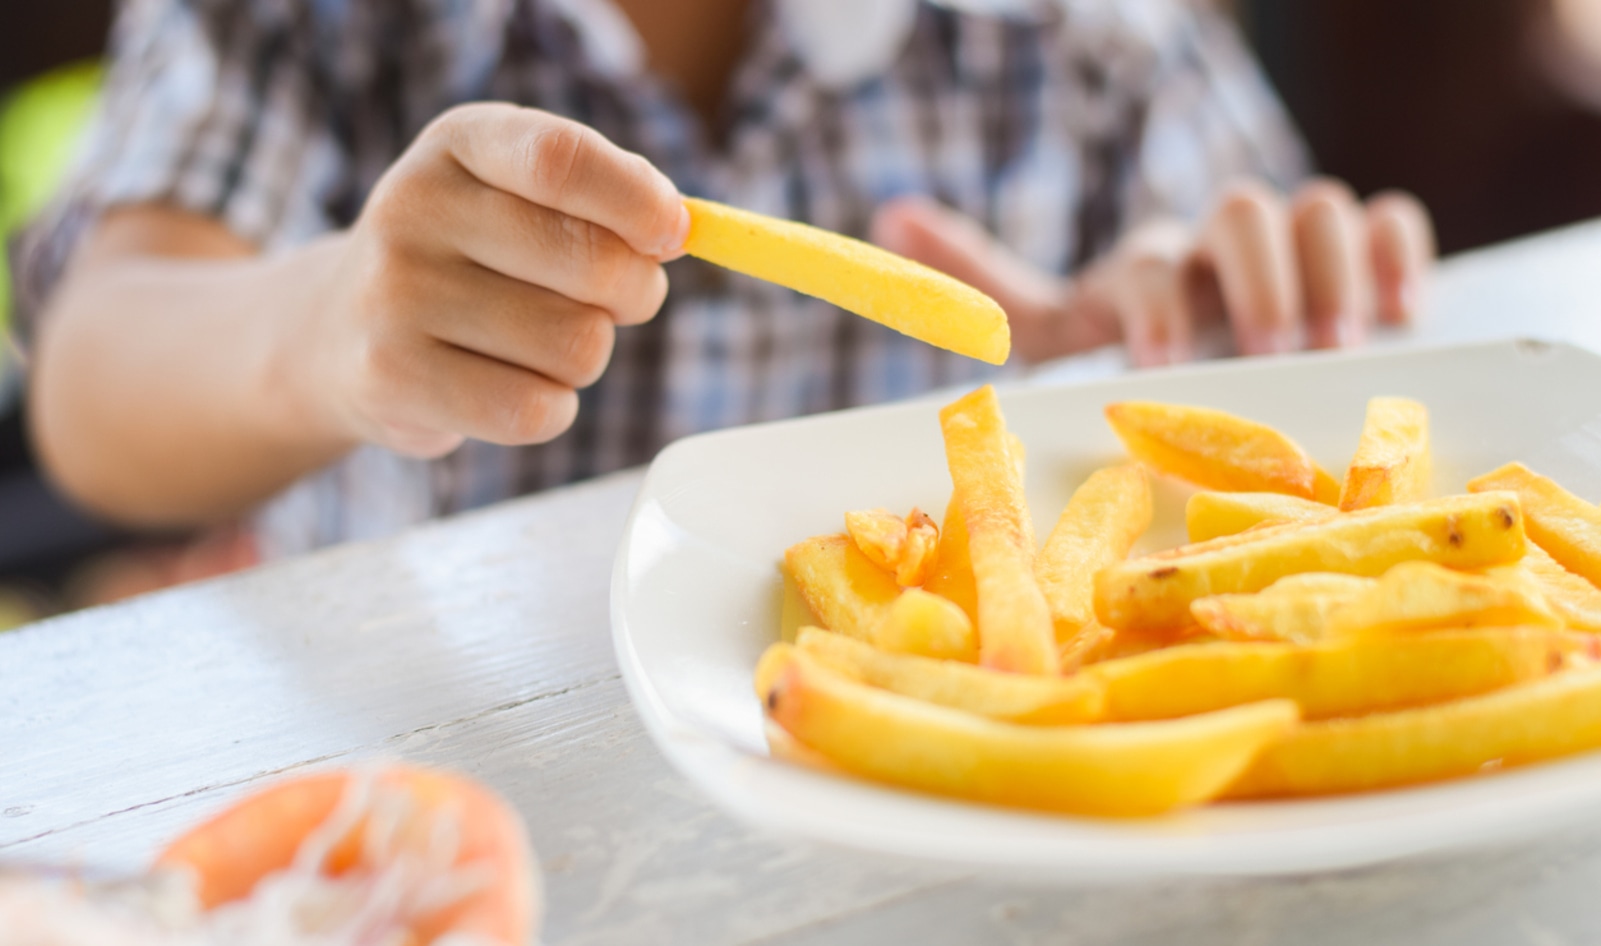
point(840, 42)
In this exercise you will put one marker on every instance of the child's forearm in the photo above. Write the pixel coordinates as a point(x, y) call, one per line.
point(160, 391)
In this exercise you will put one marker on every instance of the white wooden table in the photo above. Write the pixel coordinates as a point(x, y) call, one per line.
point(482, 643)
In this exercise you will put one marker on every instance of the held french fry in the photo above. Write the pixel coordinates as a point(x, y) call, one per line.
point(1392, 462)
point(1545, 719)
point(846, 592)
point(1153, 594)
point(1213, 449)
point(1014, 623)
point(1211, 515)
point(1103, 520)
point(1416, 596)
point(927, 625)
point(1122, 769)
point(876, 284)
point(1558, 521)
point(1332, 678)
point(1010, 697)
point(1294, 609)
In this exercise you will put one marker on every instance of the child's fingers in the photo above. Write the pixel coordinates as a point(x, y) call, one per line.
point(1152, 306)
point(435, 386)
point(525, 326)
point(563, 165)
point(540, 246)
point(1248, 242)
point(917, 227)
point(1401, 238)
point(1330, 245)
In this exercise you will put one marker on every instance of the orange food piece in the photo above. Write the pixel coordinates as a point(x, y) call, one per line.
point(907, 548)
point(232, 852)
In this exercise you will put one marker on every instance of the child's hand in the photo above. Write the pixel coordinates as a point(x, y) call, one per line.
point(1313, 271)
point(483, 283)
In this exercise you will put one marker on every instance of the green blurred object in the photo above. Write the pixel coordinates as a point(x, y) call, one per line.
point(40, 124)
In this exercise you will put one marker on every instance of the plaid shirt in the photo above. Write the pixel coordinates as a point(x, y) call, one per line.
point(1057, 123)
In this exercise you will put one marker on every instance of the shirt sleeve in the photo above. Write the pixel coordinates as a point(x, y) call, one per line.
point(209, 106)
point(1210, 116)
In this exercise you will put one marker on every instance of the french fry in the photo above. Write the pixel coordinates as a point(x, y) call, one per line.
point(793, 612)
point(1211, 515)
point(1328, 679)
point(1574, 600)
point(1392, 462)
point(1558, 521)
point(1103, 520)
point(1213, 449)
point(1294, 609)
point(1153, 594)
point(927, 625)
point(1325, 488)
point(1014, 623)
point(1010, 697)
point(846, 592)
point(1418, 596)
point(904, 547)
point(953, 566)
point(1545, 719)
point(1124, 769)
point(908, 297)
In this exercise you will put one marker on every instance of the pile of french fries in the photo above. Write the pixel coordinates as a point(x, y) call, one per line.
point(1317, 636)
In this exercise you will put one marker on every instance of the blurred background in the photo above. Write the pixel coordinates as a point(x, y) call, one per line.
point(1489, 110)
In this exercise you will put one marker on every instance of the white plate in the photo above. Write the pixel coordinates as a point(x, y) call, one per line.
point(695, 592)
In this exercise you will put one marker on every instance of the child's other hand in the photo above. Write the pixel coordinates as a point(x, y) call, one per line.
point(1314, 270)
point(483, 282)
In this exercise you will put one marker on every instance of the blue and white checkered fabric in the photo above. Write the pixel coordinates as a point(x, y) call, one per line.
point(1057, 123)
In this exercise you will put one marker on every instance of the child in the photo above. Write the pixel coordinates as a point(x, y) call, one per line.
point(313, 266)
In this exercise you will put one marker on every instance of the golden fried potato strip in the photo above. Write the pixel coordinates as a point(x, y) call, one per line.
point(1556, 716)
point(1120, 769)
point(1106, 516)
point(1211, 515)
point(1213, 449)
point(1011, 697)
point(1294, 609)
point(1153, 594)
point(1575, 600)
point(1328, 679)
point(952, 578)
point(1558, 521)
point(845, 590)
point(927, 625)
point(1418, 596)
point(1393, 463)
point(874, 283)
point(1014, 623)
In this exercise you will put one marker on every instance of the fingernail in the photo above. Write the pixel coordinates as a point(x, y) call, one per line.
point(674, 247)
